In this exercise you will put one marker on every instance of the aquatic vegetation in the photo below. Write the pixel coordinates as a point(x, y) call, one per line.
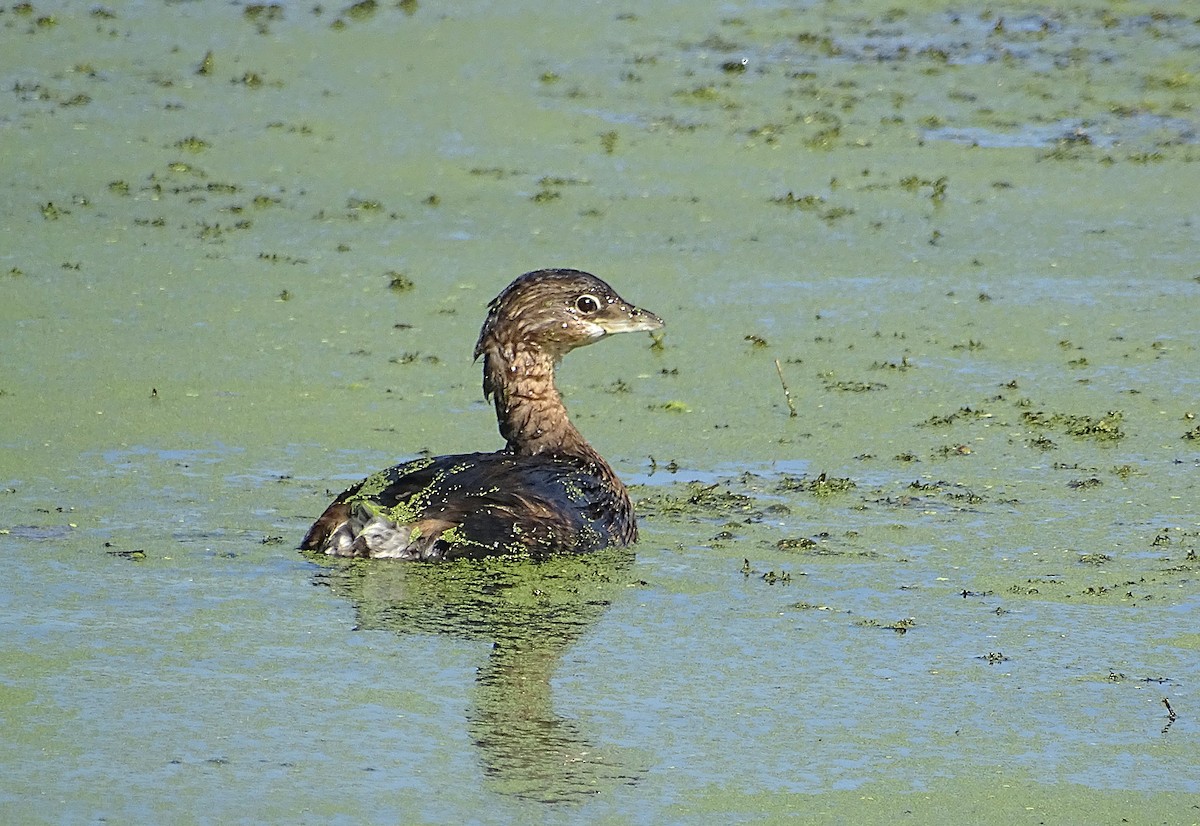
point(1103, 428)
point(963, 231)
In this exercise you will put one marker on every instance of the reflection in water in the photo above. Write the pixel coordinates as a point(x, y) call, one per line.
point(531, 612)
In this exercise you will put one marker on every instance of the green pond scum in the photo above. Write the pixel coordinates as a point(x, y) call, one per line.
point(916, 456)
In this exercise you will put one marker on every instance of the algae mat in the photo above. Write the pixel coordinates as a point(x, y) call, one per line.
point(916, 457)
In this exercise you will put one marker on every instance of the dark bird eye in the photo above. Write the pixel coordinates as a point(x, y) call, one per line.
point(587, 304)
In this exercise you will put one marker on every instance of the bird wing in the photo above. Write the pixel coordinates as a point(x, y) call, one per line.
point(475, 504)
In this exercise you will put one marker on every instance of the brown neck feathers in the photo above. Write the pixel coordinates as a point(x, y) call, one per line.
point(529, 409)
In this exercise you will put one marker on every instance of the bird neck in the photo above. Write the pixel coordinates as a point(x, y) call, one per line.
point(529, 408)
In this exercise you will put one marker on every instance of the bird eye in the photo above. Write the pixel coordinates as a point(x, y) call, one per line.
point(587, 304)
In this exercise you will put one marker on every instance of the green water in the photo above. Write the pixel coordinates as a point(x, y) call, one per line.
point(967, 237)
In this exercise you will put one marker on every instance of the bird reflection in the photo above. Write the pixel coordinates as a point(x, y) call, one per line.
point(530, 612)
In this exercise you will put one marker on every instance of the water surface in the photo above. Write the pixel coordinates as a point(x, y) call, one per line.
point(246, 251)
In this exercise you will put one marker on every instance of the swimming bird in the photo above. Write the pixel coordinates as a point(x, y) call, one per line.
point(547, 490)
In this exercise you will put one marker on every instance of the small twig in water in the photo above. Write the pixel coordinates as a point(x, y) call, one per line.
point(787, 394)
point(1171, 716)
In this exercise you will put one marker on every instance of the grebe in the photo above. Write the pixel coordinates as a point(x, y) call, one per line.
point(548, 490)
